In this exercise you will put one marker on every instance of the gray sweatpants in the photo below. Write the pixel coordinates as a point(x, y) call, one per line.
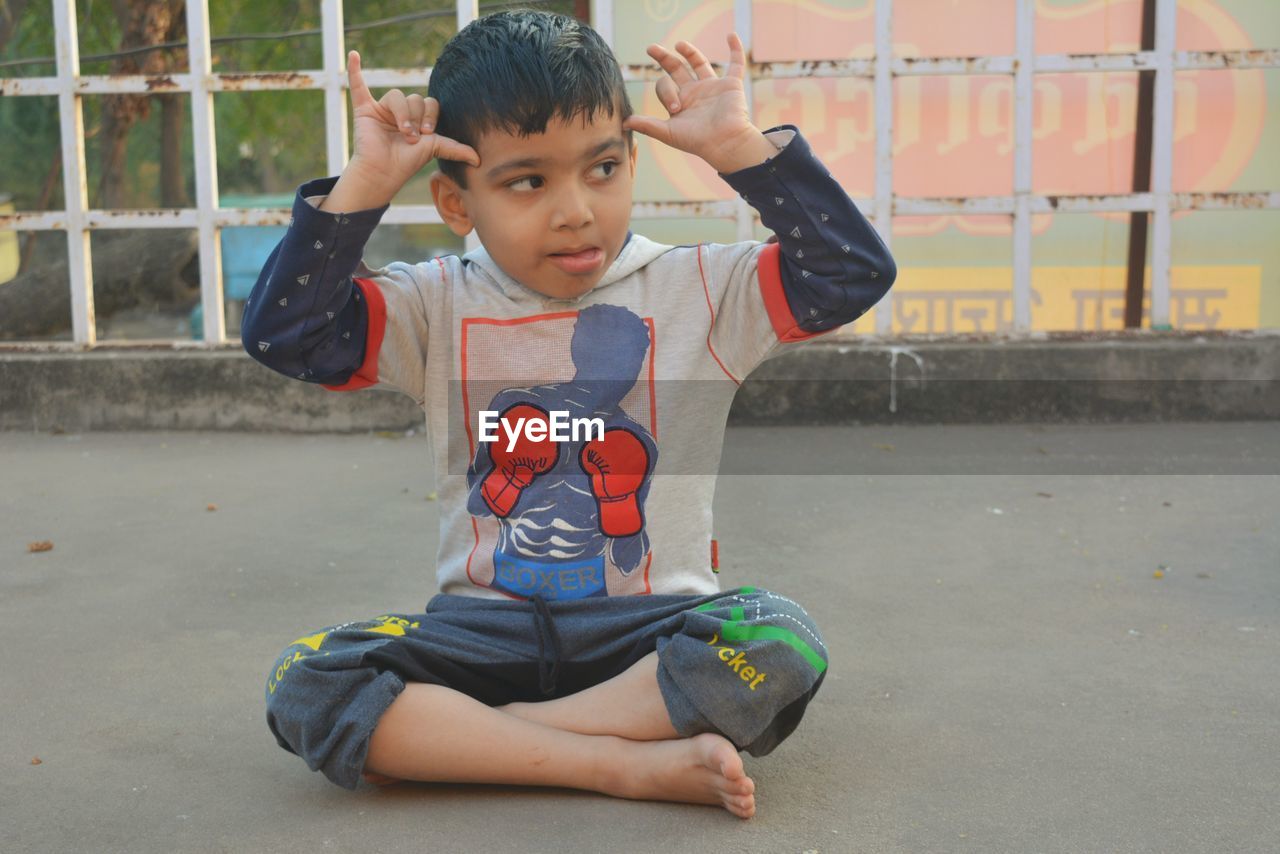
point(742, 663)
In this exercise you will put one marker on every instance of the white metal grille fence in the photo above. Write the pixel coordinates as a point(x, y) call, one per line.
point(208, 218)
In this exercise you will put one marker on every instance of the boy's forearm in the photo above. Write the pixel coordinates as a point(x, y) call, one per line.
point(752, 149)
point(305, 317)
point(834, 265)
point(358, 190)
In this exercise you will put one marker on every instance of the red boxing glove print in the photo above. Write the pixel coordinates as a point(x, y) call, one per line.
point(514, 469)
point(618, 465)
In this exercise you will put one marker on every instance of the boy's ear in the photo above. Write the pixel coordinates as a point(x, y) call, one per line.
point(451, 204)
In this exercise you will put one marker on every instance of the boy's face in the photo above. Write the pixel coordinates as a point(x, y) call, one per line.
point(552, 209)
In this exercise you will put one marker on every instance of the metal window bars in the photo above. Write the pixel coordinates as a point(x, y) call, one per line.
point(207, 218)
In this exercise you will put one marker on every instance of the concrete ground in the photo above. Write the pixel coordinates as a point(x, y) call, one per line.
point(1008, 673)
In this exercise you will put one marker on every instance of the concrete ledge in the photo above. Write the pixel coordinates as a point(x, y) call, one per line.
point(1144, 377)
point(181, 390)
point(1140, 378)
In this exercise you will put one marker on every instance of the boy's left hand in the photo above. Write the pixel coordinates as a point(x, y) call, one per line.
point(709, 116)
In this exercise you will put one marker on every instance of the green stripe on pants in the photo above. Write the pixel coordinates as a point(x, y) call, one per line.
point(736, 631)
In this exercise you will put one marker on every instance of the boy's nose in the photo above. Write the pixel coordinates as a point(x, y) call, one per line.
point(572, 209)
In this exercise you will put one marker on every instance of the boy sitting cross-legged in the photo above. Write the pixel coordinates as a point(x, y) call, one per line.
point(580, 638)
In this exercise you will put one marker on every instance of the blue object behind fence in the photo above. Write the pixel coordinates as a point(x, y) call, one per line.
point(244, 251)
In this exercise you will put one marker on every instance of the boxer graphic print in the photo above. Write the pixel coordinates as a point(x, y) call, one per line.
point(560, 519)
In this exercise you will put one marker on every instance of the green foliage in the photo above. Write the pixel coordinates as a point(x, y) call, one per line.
point(28, 142)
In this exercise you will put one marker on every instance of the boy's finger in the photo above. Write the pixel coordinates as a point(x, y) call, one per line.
point(671, 63)
point(430, 113)
point(668, 95)
point(697, 60)
point(398, 105)
point(417, 109)
point(737, 57)
point(450, 149)
point(649, 127)
point(360, 94)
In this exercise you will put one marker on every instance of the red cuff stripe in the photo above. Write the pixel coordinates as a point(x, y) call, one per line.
point(769, 271)
point(367, 375)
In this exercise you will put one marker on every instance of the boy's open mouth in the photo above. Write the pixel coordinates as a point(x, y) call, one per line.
point(582, 261)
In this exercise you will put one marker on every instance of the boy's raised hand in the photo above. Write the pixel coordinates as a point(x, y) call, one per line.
point(395, 136)
point(709, 116)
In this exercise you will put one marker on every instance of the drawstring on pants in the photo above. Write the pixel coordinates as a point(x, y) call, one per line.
point(548, 641)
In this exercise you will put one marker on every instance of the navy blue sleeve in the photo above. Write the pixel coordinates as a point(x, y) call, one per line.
point(305, 317)
point(834, 266)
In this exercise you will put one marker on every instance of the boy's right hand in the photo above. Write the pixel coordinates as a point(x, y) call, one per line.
point(394, 136)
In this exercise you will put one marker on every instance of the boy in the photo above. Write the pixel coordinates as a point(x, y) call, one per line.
point(579, 639)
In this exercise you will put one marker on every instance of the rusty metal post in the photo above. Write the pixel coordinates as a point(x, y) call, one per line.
point(1141, 176)
point(1024, 101)
point(602, 20)
point(75, 220)
point(882, 203)
point(744, 26)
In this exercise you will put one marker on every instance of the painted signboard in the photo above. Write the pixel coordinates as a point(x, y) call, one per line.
point(953, 136)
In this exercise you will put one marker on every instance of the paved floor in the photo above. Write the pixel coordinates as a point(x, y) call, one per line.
point(1008, 673)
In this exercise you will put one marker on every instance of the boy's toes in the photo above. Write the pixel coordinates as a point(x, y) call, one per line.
point(737, 788)
point(742, 807)
point(726, 758)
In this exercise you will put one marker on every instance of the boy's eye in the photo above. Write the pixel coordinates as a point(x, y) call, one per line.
point(605, 169)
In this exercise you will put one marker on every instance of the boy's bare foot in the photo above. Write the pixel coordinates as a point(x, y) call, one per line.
point(705, 769)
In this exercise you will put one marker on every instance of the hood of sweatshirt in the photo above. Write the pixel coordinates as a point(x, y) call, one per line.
point(636, 252)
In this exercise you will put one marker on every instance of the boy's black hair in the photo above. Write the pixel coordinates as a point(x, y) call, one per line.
point(516, 70)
